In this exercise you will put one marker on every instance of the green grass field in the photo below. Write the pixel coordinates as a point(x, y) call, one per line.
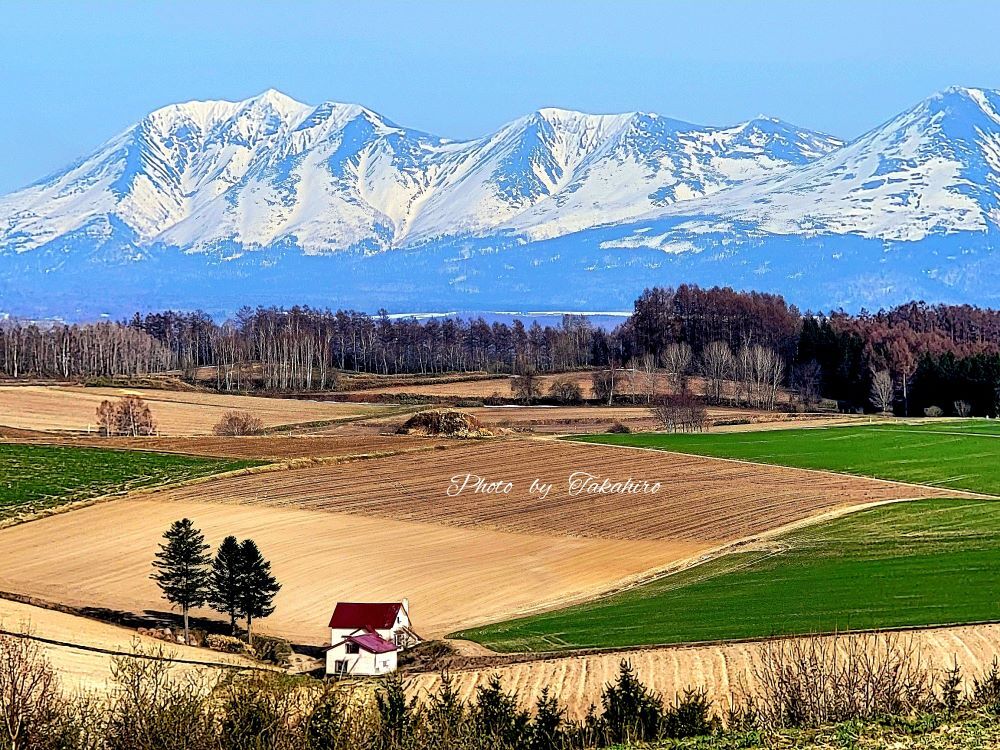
point(918, 563)
point(956, 455)
point(34, 477)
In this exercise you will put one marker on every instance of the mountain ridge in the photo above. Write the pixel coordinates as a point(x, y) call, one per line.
point(581, 209)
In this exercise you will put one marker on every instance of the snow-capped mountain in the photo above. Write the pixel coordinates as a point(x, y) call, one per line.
point(934, 169)
point(326, 178)
point(268, 200)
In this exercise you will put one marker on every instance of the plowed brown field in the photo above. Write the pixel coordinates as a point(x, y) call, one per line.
point(101, 556)
point(702, 500)
point(724, 670)
point(39, 407)
point(273, 447)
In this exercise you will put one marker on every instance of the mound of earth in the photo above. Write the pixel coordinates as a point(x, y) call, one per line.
point(445, 422)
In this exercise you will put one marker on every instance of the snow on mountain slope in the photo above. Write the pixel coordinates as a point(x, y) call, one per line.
point(270, 170)
point(934, 169)
point(654, 161)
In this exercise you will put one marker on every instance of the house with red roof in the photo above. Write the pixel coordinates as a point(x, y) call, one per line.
point(366, 637)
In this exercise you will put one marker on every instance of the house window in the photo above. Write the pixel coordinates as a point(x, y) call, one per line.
point(353, 648)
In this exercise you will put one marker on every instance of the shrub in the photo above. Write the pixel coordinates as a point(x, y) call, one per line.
point(806, 682)
point(256, 712)
point(617, 428)
point(33, 712)
point(153, 706)
point(228, 644)
point(690, 716)
point(631, 711)
point(272, 649)
point(497, 720)
point(986, 691)
point(933, 411)
point(962, 408)
point(566, 391)
point(237, 423)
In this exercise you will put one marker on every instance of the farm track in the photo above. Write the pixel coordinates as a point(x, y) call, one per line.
point(702, 501)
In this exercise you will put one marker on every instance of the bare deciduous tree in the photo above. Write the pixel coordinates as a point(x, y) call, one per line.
point(882, 391)
point(717, 366)
point(680, 413)
point(650, 376)
point(677, 362)
point(605, 382)
point(524, 384)
point(128, 416)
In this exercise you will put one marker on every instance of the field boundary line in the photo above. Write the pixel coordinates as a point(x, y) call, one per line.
point(950, 492)
point(132, 655)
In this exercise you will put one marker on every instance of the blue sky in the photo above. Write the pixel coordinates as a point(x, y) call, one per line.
point(73, 74)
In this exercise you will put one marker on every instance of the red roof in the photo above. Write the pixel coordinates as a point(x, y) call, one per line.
point(359, 615)
point(372, 642)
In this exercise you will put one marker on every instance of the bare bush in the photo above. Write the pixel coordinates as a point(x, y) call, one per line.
point(565, 391)
point(680, 413)
point(129, 416)
point(933, 411)
point(151, 706)
point(33, 712)
point(806, 682)
point(962, 408)
point(238, 423)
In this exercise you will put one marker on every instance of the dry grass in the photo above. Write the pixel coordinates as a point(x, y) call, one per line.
point(101, 556)
point(87, 669)
point(70, 408)
point(723, 669)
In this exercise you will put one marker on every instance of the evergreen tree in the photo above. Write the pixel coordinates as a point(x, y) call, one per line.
point(182, 568)
point(224, 582)
point(257, 587)
point(547, 732)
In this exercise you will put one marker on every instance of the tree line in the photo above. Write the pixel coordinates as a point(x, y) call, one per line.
point(758, 341)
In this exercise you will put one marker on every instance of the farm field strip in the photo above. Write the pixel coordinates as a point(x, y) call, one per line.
point(39, 477)
point(267, 447)
point(72, 408)
point(725, 669)
point(926, 562)
point(704, 501)
point(958, 460)
point(453, 577)
point(83, 669)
